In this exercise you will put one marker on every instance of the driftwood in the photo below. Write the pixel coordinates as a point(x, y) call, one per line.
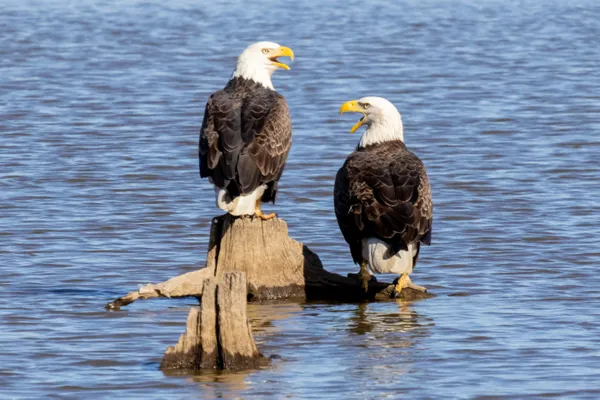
point(276, 267)
point(218, 334)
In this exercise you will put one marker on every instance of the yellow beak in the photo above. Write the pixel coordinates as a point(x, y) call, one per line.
point(282, 51)
point(352, 106)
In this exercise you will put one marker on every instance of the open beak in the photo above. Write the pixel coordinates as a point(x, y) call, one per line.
point(282, 51)
point(352, 106)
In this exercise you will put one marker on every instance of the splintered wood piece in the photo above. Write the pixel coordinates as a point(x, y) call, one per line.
point(218, 334)
point(209, 345)
point(185, 354)
point(185, 285)
point(237, 346)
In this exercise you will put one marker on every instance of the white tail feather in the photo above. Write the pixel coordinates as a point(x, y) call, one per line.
point(241, 205)
point(376, 252)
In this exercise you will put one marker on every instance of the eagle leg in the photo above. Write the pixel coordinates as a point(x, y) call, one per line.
point(405, 282)
point(258, 212)
point(364, 275)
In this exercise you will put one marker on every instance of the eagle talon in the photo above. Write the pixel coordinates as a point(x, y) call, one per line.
point(404, 282)
point(264, 217)
point(268, 216)
point(258, 213)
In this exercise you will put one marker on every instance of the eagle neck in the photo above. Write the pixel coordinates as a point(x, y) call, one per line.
point(258, 74)
point(382, 131)
point(382, 145)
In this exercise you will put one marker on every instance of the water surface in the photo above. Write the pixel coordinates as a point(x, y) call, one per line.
point(99, 192)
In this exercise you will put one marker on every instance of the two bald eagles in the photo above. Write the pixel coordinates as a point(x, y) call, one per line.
point(382, 196)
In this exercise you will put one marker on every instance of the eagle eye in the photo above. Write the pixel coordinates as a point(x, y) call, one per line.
point(366, 105)
point(265, 51)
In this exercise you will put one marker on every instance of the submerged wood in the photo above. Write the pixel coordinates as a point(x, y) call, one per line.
point(218, 334)
point(276, 267)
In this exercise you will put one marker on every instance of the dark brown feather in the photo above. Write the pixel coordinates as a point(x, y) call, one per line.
point(245, 138)
point(382, 192)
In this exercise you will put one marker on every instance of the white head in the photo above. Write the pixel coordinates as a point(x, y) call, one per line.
point(383, 121)
point(259, 61)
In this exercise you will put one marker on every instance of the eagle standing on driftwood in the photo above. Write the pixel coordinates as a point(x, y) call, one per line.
point(246, 134)
point(382, 196)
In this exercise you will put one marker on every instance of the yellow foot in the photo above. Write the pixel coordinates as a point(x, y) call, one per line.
point(267, 217)
point(258, 213)
point(405, 282)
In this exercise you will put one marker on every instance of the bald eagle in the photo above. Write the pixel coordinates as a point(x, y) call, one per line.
point(246, 134)
point(382, 196)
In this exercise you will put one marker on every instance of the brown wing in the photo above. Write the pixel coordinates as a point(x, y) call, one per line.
point(220, 139)
point(244, 141)
point(383, 192)
point(267, 128)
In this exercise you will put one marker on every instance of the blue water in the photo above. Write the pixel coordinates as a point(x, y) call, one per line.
point(101, 104)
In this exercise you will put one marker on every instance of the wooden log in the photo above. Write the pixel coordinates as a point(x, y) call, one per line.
point(185, 285)
point(276, 267)
point(218, 334)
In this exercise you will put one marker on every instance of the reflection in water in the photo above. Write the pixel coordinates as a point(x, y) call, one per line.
point(385, 329)
point(365, 320)
point(390, 334)
point(218, 384)
point(378, 341)
point(264, 316)
point(227, 381)
point(215, 384)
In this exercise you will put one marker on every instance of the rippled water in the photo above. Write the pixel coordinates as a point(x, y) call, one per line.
point(101, 103)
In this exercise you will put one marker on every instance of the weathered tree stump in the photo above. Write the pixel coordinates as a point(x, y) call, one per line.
point(218, 334)
point(273, 262)
point(276, 267)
